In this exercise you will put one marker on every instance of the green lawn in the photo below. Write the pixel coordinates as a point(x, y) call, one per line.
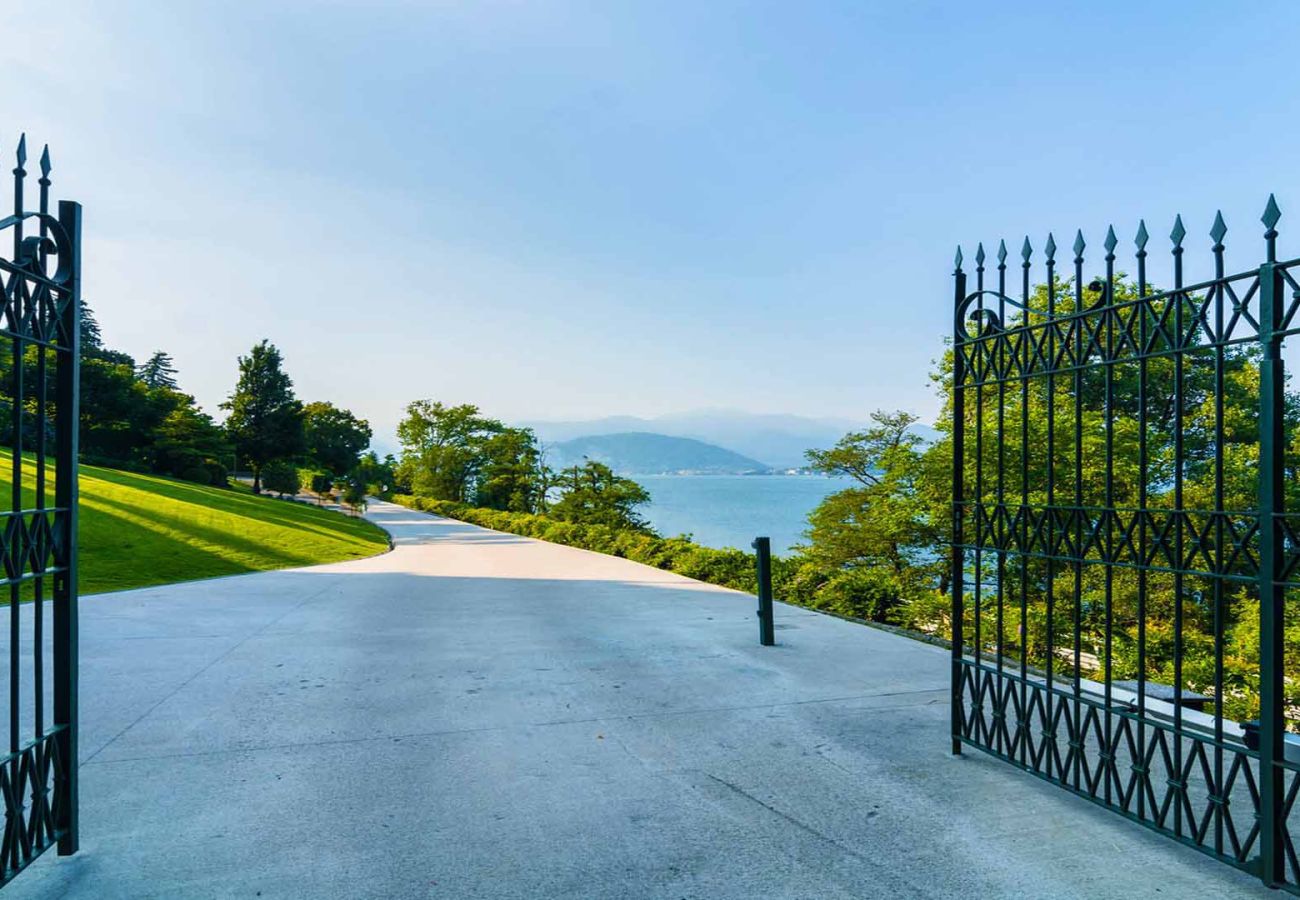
point(139, 530)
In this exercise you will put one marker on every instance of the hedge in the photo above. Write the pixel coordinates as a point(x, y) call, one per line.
point(863, 594)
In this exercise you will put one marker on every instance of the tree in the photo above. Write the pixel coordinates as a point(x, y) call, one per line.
point(158, 372)
point(594, 495)
point(508, 477)
point(334, 437)
point(443, 449)
point(281, 477)
point(187, 439)
point(266, 419)
point(883, 521)
point(375, 474)
point(322, 484)
point(91, 338)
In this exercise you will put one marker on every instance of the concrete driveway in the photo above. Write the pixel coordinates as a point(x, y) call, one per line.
point(481, 715)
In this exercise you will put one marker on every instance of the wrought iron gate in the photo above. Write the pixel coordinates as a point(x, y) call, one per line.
point(40, 326)
point(1125, 566)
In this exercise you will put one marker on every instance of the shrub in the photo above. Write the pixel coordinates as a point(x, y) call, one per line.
point(861, 593)
point(280, 478)
point(196, 474)
point(217, 473)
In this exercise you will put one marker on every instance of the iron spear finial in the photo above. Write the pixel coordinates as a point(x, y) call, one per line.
point(1026, 251)
point(1050, 247)
point(1142, 236)
point(1271, 213)
point(1219, 229)
point(45, 162)
point(1178, 233)
point(1079, 245)
point(1111, 240)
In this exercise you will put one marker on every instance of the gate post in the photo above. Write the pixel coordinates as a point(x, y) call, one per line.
point(958, 510)
point(763, 569)
point(1272, 446)
point(68, 411)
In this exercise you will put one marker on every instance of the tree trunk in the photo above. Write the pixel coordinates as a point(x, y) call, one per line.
point(257, 479)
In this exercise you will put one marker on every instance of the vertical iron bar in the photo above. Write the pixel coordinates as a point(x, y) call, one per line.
point(1050, 250)
point(1143, 387)
point(1107, 310)
point(981, 349)
point(958, 497)
point(67, 411)
point(1000, 341)
point(1218, 297)
point(1177, 788)
point(1026, 365)
point(42, 411)
point(1272, 399)
point(1080, 322)
point(18, 297)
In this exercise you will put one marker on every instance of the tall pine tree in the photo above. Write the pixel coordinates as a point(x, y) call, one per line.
point(158, 372)
point(266, 419)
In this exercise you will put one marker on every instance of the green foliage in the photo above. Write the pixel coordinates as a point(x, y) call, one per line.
point(377, 475)
point(280, 477)
point(158, 372)
point(319, 483)
point(266, 419)
point(354, 496)
point(334, 437)
point(594, 495)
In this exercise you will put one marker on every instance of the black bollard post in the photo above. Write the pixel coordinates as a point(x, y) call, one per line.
point(763, 562)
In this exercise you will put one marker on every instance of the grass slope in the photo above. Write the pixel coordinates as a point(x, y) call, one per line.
point(141, 530)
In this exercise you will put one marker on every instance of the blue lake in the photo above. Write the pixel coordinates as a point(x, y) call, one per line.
point(731, 510)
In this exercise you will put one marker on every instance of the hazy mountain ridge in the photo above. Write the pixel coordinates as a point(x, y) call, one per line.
point(646, 453)
point(775, 440)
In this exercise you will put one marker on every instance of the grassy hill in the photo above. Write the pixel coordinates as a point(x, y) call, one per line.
point(140, 530)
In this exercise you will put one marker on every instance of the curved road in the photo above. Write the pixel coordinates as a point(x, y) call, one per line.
point(481, 715)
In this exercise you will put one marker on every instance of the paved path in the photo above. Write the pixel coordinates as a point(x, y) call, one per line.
point(481, 715)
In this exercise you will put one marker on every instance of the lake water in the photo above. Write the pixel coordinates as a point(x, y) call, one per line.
point(731, 510)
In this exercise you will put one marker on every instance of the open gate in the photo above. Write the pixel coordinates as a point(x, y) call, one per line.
point(1125, 563)
point(40, 370)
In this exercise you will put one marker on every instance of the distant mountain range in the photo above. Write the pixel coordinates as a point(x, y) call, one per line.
point(643, 453)
point(771, 439)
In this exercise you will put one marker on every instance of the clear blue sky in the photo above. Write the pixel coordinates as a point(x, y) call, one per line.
point(572, 209)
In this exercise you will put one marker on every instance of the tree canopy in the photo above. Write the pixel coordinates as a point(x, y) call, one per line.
point(266, 419)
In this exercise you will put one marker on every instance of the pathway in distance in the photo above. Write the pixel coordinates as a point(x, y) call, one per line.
point(482, 715)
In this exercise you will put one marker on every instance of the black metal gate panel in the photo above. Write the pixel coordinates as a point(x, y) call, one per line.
point(1125, 459)
point(39, 329)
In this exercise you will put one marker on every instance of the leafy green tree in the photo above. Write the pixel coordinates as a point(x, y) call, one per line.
point(374, 473)
point(322, 485)
point(266, 419)
point(119, 415)
point(882, 522)
point(508, 478)
point(281, 477)
point(594, 495)
point(158, 372)
point(354, 496)
point(187, 439)
point(443, 449)
point(334, 437)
